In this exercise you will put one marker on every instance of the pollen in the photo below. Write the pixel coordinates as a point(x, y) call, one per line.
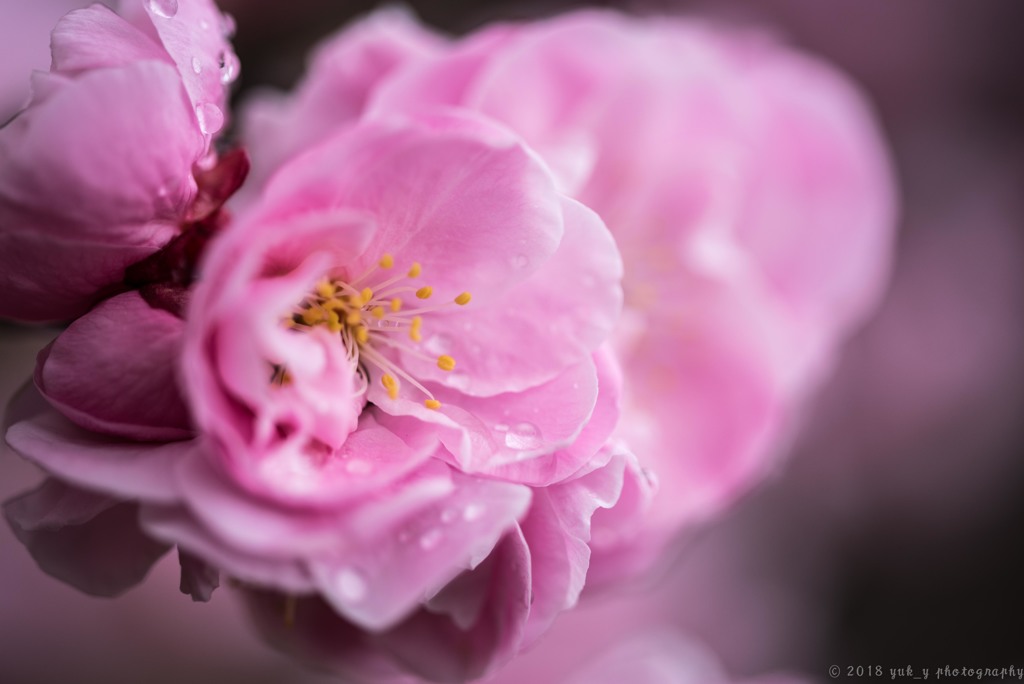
point(390, 384)
point(396, 305)
point(415, 333)
point(386, 261)
point(424, 292)
point(354, 317)
point(463, 299)
point(362, 335)
point(366, 295)
point(325, 289)
point(416, 269)
point(377, 312)
point(445, 362)
point(432, 404)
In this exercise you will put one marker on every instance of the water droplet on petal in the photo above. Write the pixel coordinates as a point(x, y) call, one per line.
point(473, 511)
point(523, 436)
point(350, 584)
point(228, 67)
point(164, 8)
point(197, 66)
point(430, 539)
point(211, 118)
point(520, 261)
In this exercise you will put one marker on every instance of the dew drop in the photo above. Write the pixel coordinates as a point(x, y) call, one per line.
point(473, 512)
point(523, 436)
point(211, 118)
point(430, 539)
point(520, 261)
point(197, 66)
point(164, 8)
point(228, 63)
point(350, 584)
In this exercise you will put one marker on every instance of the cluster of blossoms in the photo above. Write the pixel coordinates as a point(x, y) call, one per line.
point(393, 385)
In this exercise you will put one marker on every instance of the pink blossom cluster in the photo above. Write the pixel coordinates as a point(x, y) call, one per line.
point(485, 321)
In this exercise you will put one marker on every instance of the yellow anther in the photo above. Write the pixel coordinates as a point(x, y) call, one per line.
point(362, 335)
point(424, 292)
point(414, 329)
point(416, 269)
point(325, 289)
point(463, 299)
point(366, 295)
point(390, 384)
point(396, 305)
point(353, 318)
point(378, 312)
point(432, 404)
point(333, 321)
point(386, 261)
point(312, 316)
point(334, 304)
point(445, 362)
point(290, 323)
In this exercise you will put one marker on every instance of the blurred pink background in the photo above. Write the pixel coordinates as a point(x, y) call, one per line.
point(892, 538)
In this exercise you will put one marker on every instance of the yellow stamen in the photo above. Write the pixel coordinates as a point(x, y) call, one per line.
point(333, 322)
point(463, 299)
point(416, 269)
point(396, 305)
point(362, 335)
point(334, 305)
point(386, 261)
point(366, 295)
point(378, 312)
point(445, 362)
point(414, 329)
point(353, 318)
point(312, 316)
point(390, 384)
point(325, 289)
point(424, 292)
point(432, 404)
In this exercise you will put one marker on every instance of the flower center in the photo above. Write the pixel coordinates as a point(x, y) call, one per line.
point(371, 314)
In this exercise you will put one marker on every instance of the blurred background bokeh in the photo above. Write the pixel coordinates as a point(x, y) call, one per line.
point(892, 537)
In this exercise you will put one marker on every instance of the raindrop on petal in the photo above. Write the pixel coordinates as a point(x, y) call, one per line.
point(473, 511)
point(164, 8)
point(523, 436)
point(197, 66)
point(430, 539)
point(350, 584)
point(211, 118)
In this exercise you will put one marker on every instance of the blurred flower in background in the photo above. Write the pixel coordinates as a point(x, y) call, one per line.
point(890, 536)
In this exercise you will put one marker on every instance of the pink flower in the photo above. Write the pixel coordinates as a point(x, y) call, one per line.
point(427, 476)
point(750, 195)
point(97, 171)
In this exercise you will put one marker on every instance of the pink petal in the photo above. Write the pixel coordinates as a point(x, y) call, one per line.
point(444, 642)
point(195, 35)
point(565, 310)
point(115, 371)
point(198, 579)
point(96, 37)
point(379, 584)
point(130, 165)
point(87, 540)
point(175, 525)
point(344, 71)
point(487, 434)
point(128, 470)
point(452, 192)
point(557, 530)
